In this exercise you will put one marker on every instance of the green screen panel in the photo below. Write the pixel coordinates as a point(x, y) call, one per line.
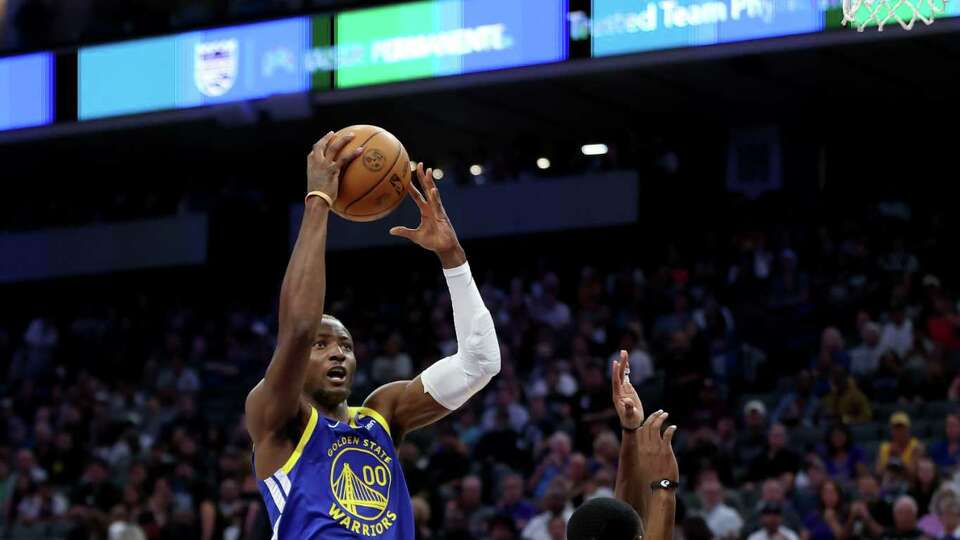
point(358, 32)
point(321, 38)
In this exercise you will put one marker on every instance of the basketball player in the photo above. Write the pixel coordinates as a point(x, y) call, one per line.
point(647, 475)
point(325, 469)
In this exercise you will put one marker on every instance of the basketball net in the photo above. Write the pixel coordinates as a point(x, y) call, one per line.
point(863, 13)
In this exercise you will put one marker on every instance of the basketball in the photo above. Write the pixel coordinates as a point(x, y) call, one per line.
point(373, 184)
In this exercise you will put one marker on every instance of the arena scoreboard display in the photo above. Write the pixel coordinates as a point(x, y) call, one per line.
point(379, 45)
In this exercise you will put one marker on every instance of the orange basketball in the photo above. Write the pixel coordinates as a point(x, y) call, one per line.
point(374, 183)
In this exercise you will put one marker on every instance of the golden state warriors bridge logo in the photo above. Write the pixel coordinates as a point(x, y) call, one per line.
point(360, 481)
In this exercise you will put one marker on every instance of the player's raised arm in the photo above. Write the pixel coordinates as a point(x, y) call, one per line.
point(647, 472)
point(448, 384)
point(276, 399)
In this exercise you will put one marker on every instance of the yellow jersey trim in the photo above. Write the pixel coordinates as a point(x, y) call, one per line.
point(298, 451)
point(366, 411)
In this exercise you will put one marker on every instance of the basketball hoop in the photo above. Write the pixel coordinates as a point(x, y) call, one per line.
point(863, 13)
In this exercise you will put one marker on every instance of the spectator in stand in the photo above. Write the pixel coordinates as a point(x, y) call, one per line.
point(178, 378)
point(577, 474)
point(507, 402)
point(805, 496)
point(606, 452)
point(772, 492)
point(871, 510)
point(701, 451)
point(831, 355)
point(470, 502)
point(27, 466)
point(545, 306)
point(555, 503)
point(421, 518)
point(946, 452)
point(897, 334)
point(925, 483)
point(904, 521)
point(800, 405)
point(777, 460)
point(944, 326)
point(393, 364)
point(940, 519)
point(902, 445)
point(723, 520)
point(949, 513)
point(865, 359)
point(828, 521)
point(512, 503)
point(772, 528)
point(844, 460)
point(845, 402)
point(752, 441)
point(552, 465)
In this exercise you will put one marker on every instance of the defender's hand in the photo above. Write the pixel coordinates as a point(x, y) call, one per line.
point(326, 161)
point(435, 231)
point(625, 397)
point(656, 450)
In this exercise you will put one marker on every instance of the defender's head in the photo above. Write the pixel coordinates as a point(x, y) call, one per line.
point(604, 518)
point(332, 364)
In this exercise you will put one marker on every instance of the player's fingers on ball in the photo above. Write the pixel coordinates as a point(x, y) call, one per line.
point(333, 150)
point(346, 158)
point(320, 146)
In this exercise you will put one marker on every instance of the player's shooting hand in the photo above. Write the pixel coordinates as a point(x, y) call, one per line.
point(656, 449)
point(435, 231)
point(326, 161)
point(625, 397)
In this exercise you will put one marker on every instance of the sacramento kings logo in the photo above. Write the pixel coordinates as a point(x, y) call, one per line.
point(360, 482)
point(215, 66)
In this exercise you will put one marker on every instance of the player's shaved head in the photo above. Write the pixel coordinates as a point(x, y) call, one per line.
point(604, 518)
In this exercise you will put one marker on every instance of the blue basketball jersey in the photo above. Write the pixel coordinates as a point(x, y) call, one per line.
point(343, 481)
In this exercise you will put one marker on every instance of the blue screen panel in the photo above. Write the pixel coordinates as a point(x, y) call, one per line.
point(26, 91)
point(192, 69)
point(628, 26)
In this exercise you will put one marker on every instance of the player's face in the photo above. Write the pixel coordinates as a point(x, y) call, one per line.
point(332, 364)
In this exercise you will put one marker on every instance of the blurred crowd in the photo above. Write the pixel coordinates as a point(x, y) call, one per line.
point(811, 367)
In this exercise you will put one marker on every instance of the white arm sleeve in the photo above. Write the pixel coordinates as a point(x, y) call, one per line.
point(453, 380)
